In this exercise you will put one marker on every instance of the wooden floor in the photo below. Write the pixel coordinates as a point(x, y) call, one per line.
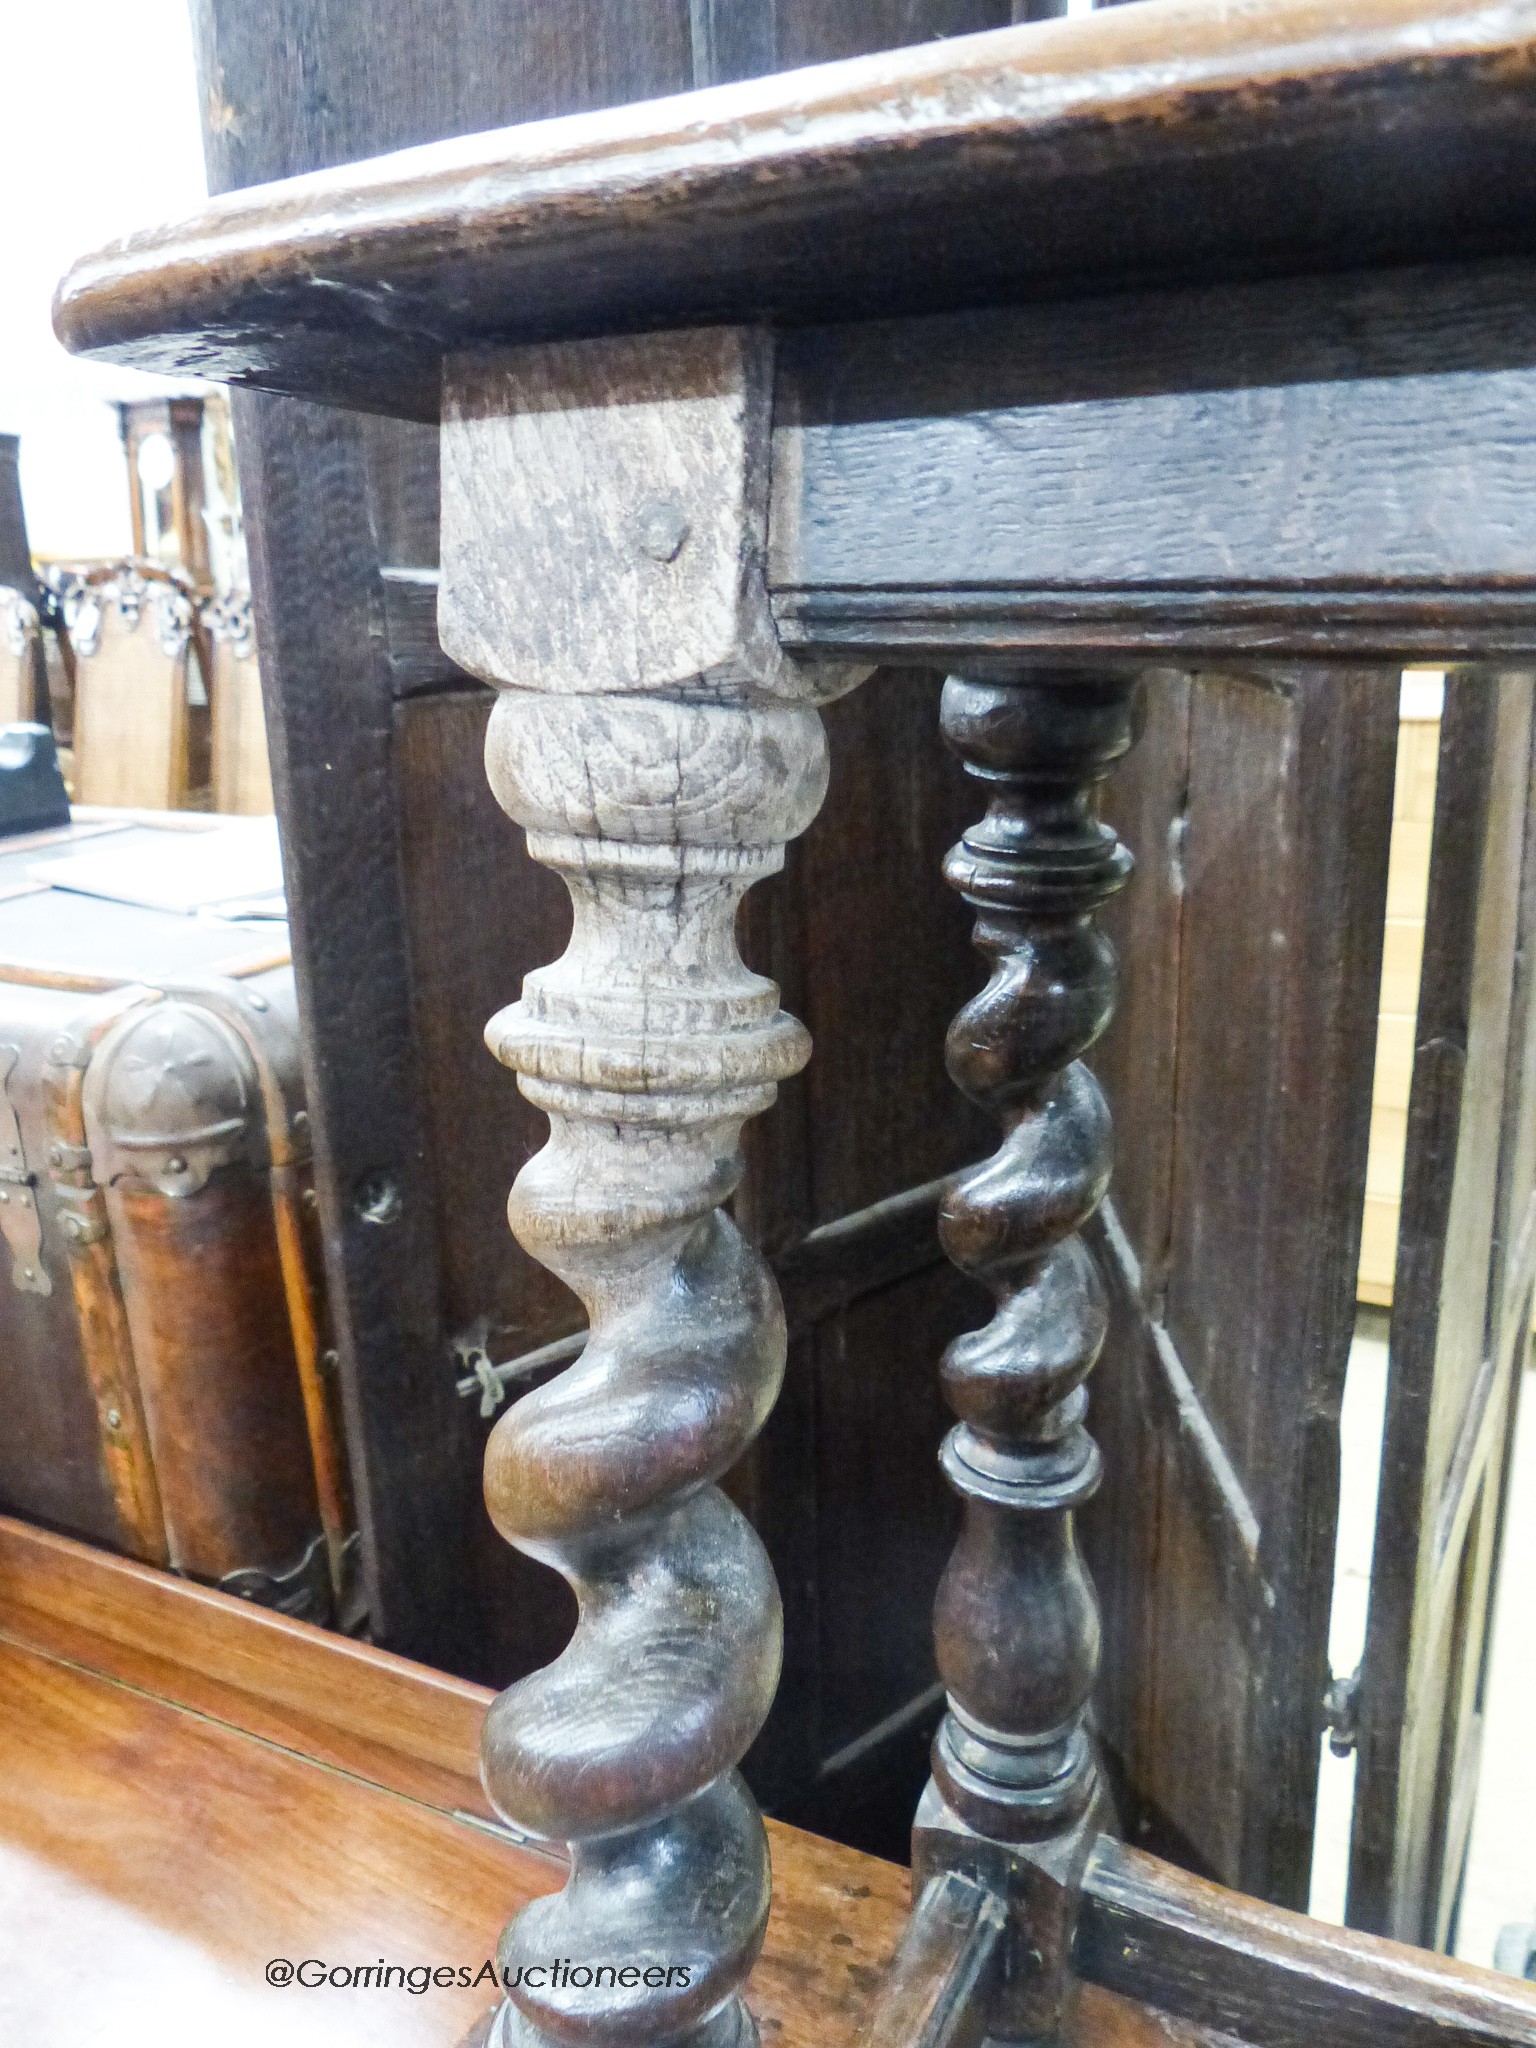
point(156, 1855)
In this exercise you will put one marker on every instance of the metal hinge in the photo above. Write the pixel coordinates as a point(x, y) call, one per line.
point(1341, 1713)
point(20, 1224)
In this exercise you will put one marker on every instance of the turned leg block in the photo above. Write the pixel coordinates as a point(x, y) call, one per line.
point(604, 525)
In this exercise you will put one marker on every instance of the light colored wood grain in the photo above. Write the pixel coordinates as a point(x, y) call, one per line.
point(1408, 873)
point(130, 741)
point(242, 774)
point(1413, 811)
point(604, 520)
point(397, 1724)
point(605, 514)
point(1394, 1062)
point(156, 1851)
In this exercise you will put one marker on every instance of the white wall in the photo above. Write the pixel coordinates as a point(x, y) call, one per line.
point(99, 135)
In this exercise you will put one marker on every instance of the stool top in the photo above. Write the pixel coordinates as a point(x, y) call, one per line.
point(1167, 140)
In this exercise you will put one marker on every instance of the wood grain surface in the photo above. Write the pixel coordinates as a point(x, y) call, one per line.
point(341, 1703)
point(648, 1044)
point(131, 716)
point(1053, 154)
point(1461, 1316)
point(1238, 1071)
point(153, 1861)
point(170, 1822)
point(1331, 464)
point(1276, 1979)
point(174, 1813)
point(394, 846)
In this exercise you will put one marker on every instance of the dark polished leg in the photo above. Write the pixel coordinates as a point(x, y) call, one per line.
point(1015, 1798)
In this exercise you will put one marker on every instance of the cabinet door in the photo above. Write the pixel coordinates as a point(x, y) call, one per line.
point(1258, 806)
point(1460, 1322)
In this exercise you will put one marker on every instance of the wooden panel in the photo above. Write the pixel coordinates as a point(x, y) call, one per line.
point(874, 955)
point(242, 774)
point(331, 724)
point(1157, 397)
point(1378, 1249)
point(810, 32)
point(1259, 808)
point(131, 716)
point(199, 1787)
point(480, 913)
point(1276, 1979)
point(1146, 800)
point(863, 932)
point(212, 1854)
point(268, 118)
point(1235, 468)
point(884, 1524)
point(745, 38)
point(1465, 1266)
point(884, 1513)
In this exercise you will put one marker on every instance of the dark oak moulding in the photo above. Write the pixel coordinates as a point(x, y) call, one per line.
point(1063, 155)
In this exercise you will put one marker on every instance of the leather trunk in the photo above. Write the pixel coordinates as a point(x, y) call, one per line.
point(163, 1368)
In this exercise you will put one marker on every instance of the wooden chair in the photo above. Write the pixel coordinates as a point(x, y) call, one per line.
point(131, 638)
point(242, 774)
point(1051, 355)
